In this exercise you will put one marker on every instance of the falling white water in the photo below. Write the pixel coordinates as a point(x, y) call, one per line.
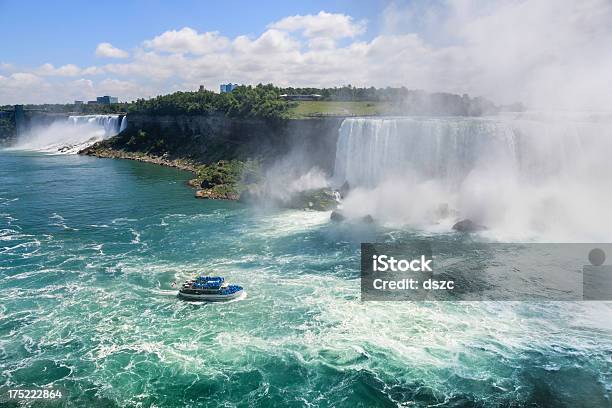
point(123, 124)
point(523, 178)
point(69, 135)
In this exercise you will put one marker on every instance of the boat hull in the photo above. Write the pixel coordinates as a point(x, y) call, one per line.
point(211, 297)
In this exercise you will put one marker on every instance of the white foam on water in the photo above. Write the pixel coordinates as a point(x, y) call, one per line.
point(287, 222)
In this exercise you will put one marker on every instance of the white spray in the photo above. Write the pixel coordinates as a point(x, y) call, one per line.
point(72, 134)
point(521, 177)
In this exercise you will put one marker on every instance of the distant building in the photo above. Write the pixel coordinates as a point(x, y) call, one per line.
point(92, 102)
point(311, 97)
point(201, 88)
point(78, 103)
point(225, 88)
point(107, 100)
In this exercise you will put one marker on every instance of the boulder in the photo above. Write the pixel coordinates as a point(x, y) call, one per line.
point(337, 216)
point(206, 184)
point(205, 194)
point(468, 225)
point(344, 189)
point(208, 194)
point(321, 199)
point(368, 219)
point(195, 183)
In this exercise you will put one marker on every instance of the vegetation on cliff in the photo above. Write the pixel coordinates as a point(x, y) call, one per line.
point(262, 101)
point(226, 178)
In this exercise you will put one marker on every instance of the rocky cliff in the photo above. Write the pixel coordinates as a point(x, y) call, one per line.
point(208, 139)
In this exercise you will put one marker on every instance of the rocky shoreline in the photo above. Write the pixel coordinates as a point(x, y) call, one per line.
point(109, 153)
point(233, 180)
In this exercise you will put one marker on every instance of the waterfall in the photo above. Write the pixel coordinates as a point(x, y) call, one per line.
point(72, 134)
point(511, 173)
point(109, 123)
point(370, 151)
point(123, 124)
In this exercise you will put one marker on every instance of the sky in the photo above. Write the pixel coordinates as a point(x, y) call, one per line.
point(540, 52)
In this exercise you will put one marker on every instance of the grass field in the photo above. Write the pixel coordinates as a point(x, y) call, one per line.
point(337, 108)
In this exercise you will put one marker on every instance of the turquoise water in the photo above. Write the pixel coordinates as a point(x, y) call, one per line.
point(89, 248)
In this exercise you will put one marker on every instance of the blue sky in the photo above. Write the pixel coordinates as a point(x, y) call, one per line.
point(69, 31)
point(538, 52)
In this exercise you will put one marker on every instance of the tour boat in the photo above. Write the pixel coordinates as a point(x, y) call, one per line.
point(210, 289)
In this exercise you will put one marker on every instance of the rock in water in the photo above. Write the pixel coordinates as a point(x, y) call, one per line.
point(468, 225)
point(368, 219)
point(195, 183)
point(337, 216)
point(321, 199)
point(344, 189)
point(207, 194)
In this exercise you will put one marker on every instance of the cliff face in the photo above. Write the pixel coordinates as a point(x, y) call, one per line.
point(207, 139)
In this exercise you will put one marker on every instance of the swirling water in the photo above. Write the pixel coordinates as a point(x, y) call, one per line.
point(89, 248)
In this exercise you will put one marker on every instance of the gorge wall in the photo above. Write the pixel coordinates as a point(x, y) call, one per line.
point(207, 139)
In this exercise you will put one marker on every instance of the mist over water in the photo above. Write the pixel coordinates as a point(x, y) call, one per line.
point(71, 134)
point(523, 177)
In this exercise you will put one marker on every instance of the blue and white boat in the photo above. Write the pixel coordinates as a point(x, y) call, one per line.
point(210, 289)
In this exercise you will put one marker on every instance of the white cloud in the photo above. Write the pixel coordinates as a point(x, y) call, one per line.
point(20, 79)
point(327, 25)
point(65, 70)
point(93, 70)
point(19, 88)
point(269, 43)
point(127, 90)
point(187, 40)
point(106, 50)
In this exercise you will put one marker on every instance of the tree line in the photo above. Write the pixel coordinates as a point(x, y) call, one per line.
point(264, 101)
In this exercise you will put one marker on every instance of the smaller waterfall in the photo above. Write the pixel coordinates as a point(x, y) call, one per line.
point(123, 124)
point(72, 134)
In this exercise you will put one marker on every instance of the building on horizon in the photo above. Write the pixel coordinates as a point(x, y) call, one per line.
point(78, 103)
point(229, 87)
point(107, 100)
